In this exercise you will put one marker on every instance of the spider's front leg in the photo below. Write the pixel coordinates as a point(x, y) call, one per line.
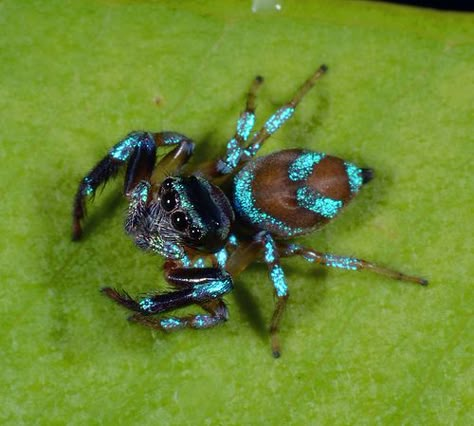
point(138, 151)
point(194, 286)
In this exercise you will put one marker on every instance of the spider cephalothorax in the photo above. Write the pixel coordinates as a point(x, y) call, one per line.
point(216, 219)
point(185, 212)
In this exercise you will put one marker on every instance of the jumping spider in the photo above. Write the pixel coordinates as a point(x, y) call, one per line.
point(211, 222)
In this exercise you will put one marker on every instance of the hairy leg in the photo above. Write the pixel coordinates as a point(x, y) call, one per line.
point(244, 126)
point(282, 115)
point(217, 314)
point(137, 151)
point(194, 286)
point(344, 262)
point(277, 277)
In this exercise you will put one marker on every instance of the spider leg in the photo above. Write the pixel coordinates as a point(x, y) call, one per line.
point(244, 254)
point(282, 115)
point(277, 276)
point(172, 162)
point(138, 151)
point(245, 125)
point(247, 252)
point(195, 286)
point(218, 314)
point(344, 262)
point(241, 257)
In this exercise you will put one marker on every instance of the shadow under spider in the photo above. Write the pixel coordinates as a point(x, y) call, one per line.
point(252, 311)
point(97, 216)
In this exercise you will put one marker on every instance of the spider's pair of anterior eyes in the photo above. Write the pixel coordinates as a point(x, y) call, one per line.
point(179, 219)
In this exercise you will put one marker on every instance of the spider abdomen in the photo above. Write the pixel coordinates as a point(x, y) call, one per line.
point(295, 191)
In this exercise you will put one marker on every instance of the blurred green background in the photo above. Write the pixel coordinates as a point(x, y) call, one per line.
point(357, 348)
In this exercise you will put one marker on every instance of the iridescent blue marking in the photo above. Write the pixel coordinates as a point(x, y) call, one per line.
point(269, 251)
point(245, 204)
point(186, 205)
point(355, 176)
point(146, 304)
point(172, 138)
point(201, 321)
point(171, 322)
point(302, 167)
point(155, 243)
point(279, 282)
point(317, 203)
point(185, 262)
point(199, 263)
point(278, 118)
point(221, 257)
point(245, 124)
point(213, 289)
point(122, 150)
point(340, 262)
point(172, 250)
point(252, 150)
point(233, 240)
point(234, 152)
point(87, 189)
point(140, 193)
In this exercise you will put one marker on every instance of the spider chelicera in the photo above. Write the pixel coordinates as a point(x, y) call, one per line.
point(212, 221)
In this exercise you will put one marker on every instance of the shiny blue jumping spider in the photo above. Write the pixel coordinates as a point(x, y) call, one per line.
point(211, 222)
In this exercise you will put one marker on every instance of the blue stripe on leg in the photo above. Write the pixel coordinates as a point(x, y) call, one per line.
point(234, 149)
point(245, 125)
point(173, 138)
point(277, 276)
point(218, 314)
point(275, 270)
point(122, 150)
point(213, 289)
point(279, 281)
point(325, 259)
point(280, 117)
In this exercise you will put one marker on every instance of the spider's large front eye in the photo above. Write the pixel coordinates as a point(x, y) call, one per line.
point(179, 221)
point(168, 201)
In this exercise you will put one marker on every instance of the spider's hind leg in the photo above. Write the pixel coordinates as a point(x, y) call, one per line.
point(344, 262)
point(245, 125)
point(282, 115)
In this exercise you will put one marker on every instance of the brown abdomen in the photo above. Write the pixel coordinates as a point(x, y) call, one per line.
point(294, 191)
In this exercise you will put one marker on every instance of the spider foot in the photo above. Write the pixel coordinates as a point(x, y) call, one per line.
point(122, 298)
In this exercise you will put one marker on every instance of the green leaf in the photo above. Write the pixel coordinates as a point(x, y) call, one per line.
point(357, 348)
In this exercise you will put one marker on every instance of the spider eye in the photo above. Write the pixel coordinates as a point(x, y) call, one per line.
point(168, 201)
point(179, 221)
point(195, 233)
point(167, 184)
